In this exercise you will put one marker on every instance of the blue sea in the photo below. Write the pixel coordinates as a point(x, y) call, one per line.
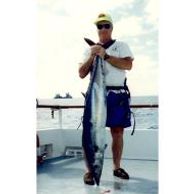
point(146, 118)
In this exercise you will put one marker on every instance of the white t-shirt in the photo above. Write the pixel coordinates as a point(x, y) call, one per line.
point(113, 75)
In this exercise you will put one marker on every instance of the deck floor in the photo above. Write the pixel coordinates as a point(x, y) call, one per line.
point(65, 176)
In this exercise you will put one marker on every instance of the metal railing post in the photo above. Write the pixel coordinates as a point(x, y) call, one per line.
point(60, 119)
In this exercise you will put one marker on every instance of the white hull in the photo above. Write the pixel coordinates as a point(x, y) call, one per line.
point(60, 142)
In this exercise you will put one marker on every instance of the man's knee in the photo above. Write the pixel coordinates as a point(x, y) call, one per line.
point(117, 131)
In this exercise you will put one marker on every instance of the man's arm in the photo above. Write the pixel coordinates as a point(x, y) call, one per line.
point(86, 67)
point(121, 63)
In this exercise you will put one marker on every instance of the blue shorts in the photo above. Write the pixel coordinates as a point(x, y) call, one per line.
point(118, 108)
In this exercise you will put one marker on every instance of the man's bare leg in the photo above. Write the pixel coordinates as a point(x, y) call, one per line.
point(117, 145)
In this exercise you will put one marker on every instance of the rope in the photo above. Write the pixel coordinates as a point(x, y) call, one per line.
point(134, 123)
point(80, 123)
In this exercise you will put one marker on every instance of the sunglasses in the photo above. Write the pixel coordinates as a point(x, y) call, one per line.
point(106, 26)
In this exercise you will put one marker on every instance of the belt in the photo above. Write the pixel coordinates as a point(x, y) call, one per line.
point(115, 87)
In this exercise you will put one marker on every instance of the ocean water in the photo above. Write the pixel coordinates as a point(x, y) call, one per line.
point(146, 118)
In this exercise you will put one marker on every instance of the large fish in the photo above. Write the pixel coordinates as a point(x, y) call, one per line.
point(94, 119)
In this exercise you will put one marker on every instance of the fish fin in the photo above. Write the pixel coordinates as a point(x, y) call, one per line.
point(90, 42)
point(84, 95)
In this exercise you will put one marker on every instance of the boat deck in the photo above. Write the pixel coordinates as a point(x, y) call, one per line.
point(65, 176)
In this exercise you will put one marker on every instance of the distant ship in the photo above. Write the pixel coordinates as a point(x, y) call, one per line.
point(67, 95)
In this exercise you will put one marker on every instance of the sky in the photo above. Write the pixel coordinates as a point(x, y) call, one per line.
point(63, 24)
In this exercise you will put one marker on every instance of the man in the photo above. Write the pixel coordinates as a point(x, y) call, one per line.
point(118, 58)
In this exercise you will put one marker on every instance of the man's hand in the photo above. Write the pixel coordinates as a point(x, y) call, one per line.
point(97, 50)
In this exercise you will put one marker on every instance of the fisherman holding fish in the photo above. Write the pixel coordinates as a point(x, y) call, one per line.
point(117, 59)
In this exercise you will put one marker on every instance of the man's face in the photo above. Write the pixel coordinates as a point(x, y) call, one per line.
point(104, 29)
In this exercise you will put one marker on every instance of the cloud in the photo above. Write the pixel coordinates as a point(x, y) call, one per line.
point(131, 26)
point(152, 11)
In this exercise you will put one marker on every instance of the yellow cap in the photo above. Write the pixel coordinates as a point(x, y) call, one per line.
point(103, 17)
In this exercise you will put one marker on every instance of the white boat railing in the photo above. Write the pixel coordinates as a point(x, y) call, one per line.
point(59, 108)
point(82, 106)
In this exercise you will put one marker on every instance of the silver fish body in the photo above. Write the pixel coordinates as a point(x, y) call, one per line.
point(94, 120)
